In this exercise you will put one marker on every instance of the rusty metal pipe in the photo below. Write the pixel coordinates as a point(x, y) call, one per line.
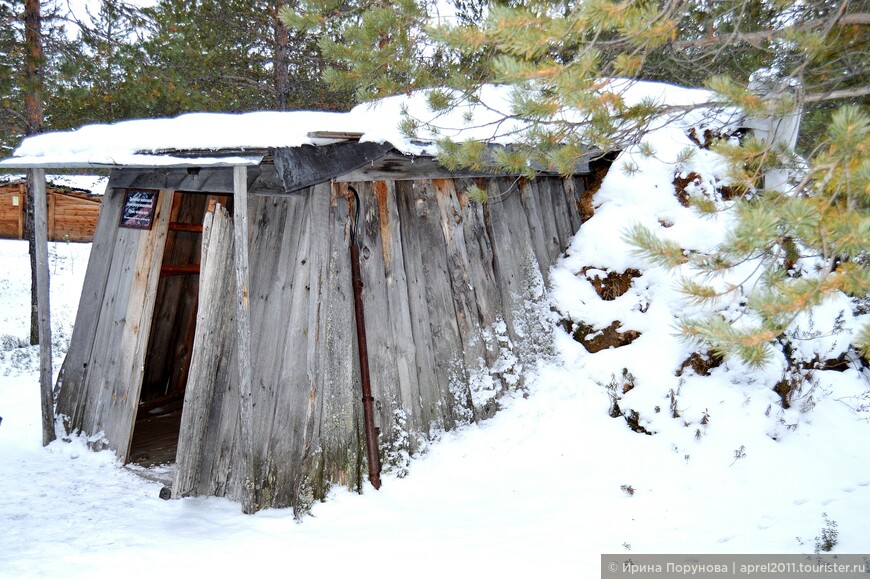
point(365, 378)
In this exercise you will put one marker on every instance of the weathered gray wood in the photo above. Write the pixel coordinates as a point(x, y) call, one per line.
point(542, 223)
point(134, 342)
point(115, 366)
point(464, 298)
point(243, 337)
point(478, 247)
point(513, 254)
point(71, 388)
point(37, 184)
point(217, 290)
point(275, 257)
point(375, 250)
point(427, 400)
point(575, 189)
point(440, 273)
point(335, 430)
point(400, 324)
point(527, 196)
point(295, 397)
point(428, 250)
point(563, 215)
point(205, 180)
point(302, 167)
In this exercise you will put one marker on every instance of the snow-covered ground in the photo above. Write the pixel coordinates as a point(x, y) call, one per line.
point(539, 486)
point(544, 487)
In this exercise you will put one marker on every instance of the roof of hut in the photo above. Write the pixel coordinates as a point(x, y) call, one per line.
point(222, 139)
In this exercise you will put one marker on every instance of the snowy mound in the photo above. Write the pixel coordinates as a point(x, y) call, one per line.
point(622, 312)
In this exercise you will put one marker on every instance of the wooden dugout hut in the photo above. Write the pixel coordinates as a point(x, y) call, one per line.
point(217, 317)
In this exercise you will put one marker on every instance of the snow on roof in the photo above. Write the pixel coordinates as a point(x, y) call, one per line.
point(157, 142)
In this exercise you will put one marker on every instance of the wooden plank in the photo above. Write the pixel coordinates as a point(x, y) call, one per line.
point(36, 177)
point(541, 230)
point(116, 363)
point(262, 179)
point(72, 383)
point(217, 292)
point(243, 333)
point(442, 334)
point(301, 167)
point(346, 135)
point(478, 247)
point(563, 214)
point(135, 339)
point(513, 254)
point(459, 275)
point(186, 269)
point(400, 325)
point(296, 400)
point(382, 343)
point(334, 431)
point(188, 227)
point(269, 265)
point(428, 396)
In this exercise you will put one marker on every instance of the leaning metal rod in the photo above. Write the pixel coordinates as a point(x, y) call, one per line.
point(367, 398)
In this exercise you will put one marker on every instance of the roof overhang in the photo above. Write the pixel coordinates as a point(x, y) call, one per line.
point(176, 160)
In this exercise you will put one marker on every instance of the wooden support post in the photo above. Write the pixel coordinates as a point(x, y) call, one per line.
point(243, 330)
point(37, 181)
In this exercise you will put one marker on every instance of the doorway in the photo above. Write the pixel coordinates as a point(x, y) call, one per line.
point(173, 325)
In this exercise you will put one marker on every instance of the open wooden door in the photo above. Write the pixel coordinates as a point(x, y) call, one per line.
point(102, 374)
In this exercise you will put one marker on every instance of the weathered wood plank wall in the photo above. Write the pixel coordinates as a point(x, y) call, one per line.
point(102, 374)
point(454, 294)
point(451, 291)
point(305, 410)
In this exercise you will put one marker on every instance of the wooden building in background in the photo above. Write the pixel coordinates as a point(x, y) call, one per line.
point(72, 213)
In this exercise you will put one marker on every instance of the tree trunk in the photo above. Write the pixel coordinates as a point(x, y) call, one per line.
point(280, 59)
point(33, 76)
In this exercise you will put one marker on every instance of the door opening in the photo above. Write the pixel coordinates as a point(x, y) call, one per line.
point(173, 324)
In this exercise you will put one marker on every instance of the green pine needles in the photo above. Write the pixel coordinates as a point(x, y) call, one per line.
point(803, 242)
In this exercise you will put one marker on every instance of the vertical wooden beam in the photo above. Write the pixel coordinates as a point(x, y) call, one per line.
point(52, 216)
point(37, 177)
point(22, 209)
point(243, 331)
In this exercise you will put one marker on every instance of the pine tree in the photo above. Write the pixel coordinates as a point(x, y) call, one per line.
point(811, 241)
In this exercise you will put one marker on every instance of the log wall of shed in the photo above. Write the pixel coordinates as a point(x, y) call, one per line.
point(454, 299)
